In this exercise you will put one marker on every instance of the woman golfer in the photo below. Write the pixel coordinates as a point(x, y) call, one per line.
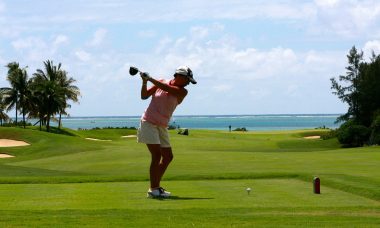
point(166, 95)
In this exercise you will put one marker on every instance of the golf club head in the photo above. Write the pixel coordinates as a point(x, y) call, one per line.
point(133, 70)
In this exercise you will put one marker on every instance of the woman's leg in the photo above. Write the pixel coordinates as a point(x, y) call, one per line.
point(161, 158)
point(167, 157)
point(154, 171)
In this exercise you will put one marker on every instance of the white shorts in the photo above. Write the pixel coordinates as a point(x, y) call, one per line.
point(152, 134)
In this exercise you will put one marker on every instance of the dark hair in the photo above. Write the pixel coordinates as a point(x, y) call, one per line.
point(175, 75)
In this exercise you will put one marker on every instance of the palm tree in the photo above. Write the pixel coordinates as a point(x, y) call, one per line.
point(3, 114)
point(24, 92)
point(10, 94)
point(15, 96)
point(48, 90)
point(35, 102)
point(71, 92)
point(10, 99)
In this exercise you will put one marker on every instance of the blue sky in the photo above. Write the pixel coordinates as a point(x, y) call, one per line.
point(249, 57)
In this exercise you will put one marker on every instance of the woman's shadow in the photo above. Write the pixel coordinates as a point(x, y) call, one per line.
point(184, 198)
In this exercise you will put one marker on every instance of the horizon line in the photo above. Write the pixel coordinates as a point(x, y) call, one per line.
point(192, 115)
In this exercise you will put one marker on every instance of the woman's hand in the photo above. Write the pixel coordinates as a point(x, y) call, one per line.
point(145, 76)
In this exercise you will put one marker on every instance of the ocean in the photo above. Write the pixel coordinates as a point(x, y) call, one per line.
point(214, 122)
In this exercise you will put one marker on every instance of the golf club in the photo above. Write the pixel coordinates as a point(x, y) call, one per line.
point(133, 71)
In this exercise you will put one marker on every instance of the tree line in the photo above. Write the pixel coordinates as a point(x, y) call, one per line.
point(360, 89)
point(43, 96)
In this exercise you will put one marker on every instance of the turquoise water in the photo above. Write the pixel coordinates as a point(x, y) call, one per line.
point(250, 122)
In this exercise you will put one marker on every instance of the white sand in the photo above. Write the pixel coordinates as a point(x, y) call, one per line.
point(10, 143)
point(312, 137)
point(6, 156)
point(129, 136)
point(107, 140)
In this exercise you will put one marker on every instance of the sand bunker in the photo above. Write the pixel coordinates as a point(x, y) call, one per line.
point(10, 143)
point(104, 140)
point(129, 136)
point(312, 137)
point(6, 156)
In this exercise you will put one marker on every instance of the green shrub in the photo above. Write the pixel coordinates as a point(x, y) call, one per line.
point(329, 134)
point(375, 131)
point(351, 134)
point(241, 129)
point(19, 124)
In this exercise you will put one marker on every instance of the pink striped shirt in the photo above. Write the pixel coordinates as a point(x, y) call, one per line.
point(161, 108)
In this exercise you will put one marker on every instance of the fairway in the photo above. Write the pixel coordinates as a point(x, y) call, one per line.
point(215, 194)
point(66, 180)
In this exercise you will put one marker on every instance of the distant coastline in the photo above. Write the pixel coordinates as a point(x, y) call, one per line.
point(214, 115)
point(251, 122)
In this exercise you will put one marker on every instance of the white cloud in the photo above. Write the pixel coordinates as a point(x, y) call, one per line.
point(3, 80)
point(222, 88)
point(246, 65)
point(98, 38)
point(312, 57)
point(208, 57)
point(199, 32)
point(345, 18)
point(259, 93)
point(264, 76)
point(38, 44)
point(163, 44)
point(326, 3)
point(29, 42)
point(2, 6)
point(37, 48)
point(147, 33)
point(292, 90)
point(321, 62)
point(83, 55)
point(202, 32)
point(373, 45)
point(264, 64)
point(140, 11)
point(60, 39)
point(9, 32)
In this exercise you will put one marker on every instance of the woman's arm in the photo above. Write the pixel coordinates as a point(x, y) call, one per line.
point(145, 92)
point(178, 92)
